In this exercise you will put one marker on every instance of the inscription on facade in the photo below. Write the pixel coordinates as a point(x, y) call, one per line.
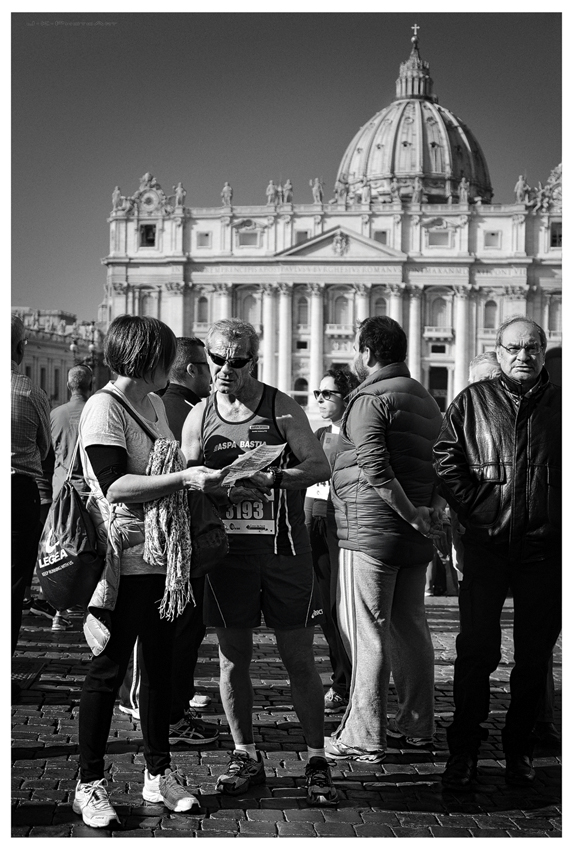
point(309, 269)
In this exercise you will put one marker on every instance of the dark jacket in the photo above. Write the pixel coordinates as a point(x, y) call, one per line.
point(498, 459)
point(388, 430)
point(178, 401)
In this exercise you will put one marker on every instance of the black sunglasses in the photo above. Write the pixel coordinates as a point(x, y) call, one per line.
point(233, 362)
point(325, 394)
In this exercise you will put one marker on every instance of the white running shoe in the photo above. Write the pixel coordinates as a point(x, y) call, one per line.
point(127, 709)
point(200, 701)
point(169, 790)
point(92, 803)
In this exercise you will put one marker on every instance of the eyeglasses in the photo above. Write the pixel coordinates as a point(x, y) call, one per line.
point(533, 348)
point(233, 362)
point(326, 394)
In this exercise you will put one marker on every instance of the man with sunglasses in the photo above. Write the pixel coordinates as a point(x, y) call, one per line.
point(269, 568)
point(498, 460)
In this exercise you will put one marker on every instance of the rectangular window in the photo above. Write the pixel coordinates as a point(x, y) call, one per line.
point(381, 236)
point(56, 383)
point(301, 343)
point(28, 371)
point(300, 236)
point(43, 378)
point(248, 238)
point(204, 240)
point(147, 234)
point(439, 238)
point(556, 234)
point(492, 239)
point(438, 349)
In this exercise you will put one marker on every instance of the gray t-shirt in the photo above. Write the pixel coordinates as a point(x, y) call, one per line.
point(104, 422)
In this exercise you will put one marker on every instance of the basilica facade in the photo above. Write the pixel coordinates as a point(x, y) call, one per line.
point(410, 232)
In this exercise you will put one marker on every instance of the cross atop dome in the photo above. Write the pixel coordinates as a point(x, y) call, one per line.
point(415, 28)
point(414, 79)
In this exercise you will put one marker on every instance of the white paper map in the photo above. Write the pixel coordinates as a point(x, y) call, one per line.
point(252, 461)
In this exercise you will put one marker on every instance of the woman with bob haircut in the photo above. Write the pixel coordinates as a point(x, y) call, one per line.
point(115, 452)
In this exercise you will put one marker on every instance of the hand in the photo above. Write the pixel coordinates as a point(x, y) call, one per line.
point(243, 491)
point(263, 481)
point(202, 478)
point(423, 520)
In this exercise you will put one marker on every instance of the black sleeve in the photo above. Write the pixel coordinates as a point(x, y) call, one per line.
point(108, 463)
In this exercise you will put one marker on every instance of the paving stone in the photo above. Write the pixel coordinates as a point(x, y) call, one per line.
point(402, 797)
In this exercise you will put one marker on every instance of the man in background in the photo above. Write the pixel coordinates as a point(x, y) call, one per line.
point(64, 421)
point(30, 443)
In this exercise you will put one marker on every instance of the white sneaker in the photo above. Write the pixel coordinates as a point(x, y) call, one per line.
point(200, 701)
point(169, 790)
point(126, 709)
point(92, 803)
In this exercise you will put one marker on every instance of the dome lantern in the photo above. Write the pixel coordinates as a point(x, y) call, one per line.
point(416, 150)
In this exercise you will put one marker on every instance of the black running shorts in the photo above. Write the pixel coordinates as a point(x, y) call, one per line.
point(281, 587)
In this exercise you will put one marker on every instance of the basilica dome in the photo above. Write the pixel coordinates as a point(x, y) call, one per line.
point(416, 149)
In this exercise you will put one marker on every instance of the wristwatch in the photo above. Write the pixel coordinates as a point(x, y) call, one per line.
point(277, 477)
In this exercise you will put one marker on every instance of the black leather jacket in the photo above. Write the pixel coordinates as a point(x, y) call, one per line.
point(498, 460)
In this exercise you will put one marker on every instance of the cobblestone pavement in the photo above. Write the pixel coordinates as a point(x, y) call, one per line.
point(401, 797)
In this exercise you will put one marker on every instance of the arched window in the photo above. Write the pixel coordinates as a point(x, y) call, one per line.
point(490, 314)
point(439, 318)
point(341, 310)
point(302, 311)
point(250, 312)
point(555, 316)
point(301, 391)
point(203, 309)
point(380, 307)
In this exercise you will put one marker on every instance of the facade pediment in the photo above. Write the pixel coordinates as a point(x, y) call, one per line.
point(341, 243)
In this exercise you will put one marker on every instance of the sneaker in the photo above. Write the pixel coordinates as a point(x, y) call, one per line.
point(91, 801)
point(170, 790)
point(334, 703)
point(192, 730)
point(200, 701)
point(319, 788)
point(27, 603)
point(393, 732)
point(41, 608)
point(127, 709)
point(60, 624)
point(337, 750)
point(242, 772)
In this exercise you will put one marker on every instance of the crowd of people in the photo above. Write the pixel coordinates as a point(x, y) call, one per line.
point(349, 518)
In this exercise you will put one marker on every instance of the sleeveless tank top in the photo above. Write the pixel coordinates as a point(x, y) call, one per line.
point(222, 443)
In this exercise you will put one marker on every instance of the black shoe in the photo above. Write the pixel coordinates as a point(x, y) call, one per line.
point(518, 770)
point(546, 733)
point(460, 772)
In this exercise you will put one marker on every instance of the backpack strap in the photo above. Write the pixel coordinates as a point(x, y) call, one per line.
point(153, 437)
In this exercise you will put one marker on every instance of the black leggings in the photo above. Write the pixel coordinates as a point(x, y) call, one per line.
point(136, 614)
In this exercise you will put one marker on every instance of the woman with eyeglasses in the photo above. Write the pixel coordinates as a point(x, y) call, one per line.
point(319, 511)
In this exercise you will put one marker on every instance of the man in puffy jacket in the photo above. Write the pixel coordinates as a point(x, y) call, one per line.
point(383, 488)
point(498, 459)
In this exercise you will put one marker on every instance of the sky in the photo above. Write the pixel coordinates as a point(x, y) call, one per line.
point(99, 99)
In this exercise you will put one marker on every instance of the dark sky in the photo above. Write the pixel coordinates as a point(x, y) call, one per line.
point(205, 98)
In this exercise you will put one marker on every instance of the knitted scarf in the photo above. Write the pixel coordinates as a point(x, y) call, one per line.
point(167, 532)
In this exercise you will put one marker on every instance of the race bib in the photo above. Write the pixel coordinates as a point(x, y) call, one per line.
point(249, 518)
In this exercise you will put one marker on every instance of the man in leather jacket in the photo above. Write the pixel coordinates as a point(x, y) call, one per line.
point(498, 460)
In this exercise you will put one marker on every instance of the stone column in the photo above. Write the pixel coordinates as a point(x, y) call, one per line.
point(415, 333)
point(362, 301)
point(395, 307)
point(284, 376)
point(316, 364)
point(462, 358)
point(269, 335)
point(224, 306)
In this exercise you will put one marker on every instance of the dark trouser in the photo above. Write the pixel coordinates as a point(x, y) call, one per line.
point(325, 562)
point(536, 589)
point(136, 615)
point(26, 533)
point(189, 633)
